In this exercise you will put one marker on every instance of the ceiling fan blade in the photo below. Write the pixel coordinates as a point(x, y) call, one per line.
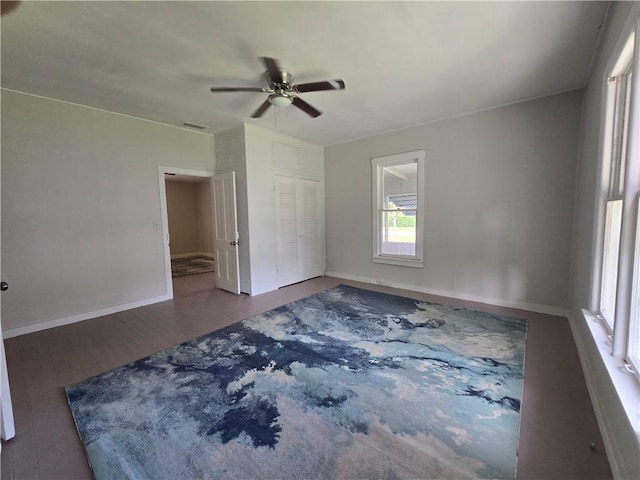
point(336, 84)
point(261, 109)
point(305, 107)
point(237, 89)
point(273, 68)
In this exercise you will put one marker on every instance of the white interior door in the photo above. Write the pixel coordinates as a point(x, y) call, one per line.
point(7, 427)
point(225, 230)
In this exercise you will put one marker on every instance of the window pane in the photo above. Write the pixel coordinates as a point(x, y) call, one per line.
point(613, 223)
point(398, 233)
point(633, 356)
point(624, 133)
point(620, 132)
point(400, 186)
point(399, 181)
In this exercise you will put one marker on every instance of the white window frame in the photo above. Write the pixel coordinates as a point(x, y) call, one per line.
point(633, 347)
point(377, 166)
point(621, 189)
point(616, 140)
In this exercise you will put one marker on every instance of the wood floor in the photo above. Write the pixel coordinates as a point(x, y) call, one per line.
point(557, 420)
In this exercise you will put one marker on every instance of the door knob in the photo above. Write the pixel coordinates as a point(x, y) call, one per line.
point(4, 286)
point(233, 244)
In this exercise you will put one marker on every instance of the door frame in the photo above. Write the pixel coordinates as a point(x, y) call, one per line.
point(164, 217)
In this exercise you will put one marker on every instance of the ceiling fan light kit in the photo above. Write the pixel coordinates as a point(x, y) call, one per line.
point(280, 100)
point(282, 91)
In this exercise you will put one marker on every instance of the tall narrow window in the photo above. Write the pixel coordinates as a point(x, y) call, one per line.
point(618, 297)
point(398, 191)
point(633, 347)
point(633, 339)
point(620, 98)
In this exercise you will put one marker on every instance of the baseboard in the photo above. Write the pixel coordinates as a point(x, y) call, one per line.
point(530, 307)
point(194, 254)
point(600, 406)
point(36, 327)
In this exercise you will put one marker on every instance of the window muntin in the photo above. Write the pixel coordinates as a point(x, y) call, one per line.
point(398, 185)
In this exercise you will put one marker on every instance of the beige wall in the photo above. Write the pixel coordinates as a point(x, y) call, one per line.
point(182, 212)
point(81, 208)
point(189, 213)
point(205, 217)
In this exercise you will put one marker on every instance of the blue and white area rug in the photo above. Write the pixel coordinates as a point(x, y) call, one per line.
point(347, 383)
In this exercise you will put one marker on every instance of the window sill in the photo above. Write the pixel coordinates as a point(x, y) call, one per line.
point(624, 382)
point(405, 262)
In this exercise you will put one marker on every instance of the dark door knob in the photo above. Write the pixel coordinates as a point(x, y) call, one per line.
point(4, 286)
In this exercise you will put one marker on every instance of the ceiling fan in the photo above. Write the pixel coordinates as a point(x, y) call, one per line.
point(282, 91)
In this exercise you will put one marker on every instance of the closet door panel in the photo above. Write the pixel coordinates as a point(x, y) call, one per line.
point(310, 225)
point(287, 230)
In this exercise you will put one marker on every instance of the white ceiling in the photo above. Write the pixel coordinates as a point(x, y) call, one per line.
point(403, 63)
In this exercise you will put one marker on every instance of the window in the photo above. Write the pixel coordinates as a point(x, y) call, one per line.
point(609, 287)
point(618, 108)
point(619, 294)
point(633, 356)
point(398, 199)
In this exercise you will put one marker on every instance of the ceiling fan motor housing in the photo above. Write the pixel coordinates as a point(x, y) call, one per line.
point(285, 85)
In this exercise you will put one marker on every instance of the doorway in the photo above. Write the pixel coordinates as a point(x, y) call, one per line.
point(187, 222)
point(190, 222)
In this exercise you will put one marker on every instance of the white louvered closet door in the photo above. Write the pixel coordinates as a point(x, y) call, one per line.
point(287, 230)
point(309, 244)
point(299, 229)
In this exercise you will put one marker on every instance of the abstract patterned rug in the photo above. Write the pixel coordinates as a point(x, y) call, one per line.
point(347, 383)
point(192, 266)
